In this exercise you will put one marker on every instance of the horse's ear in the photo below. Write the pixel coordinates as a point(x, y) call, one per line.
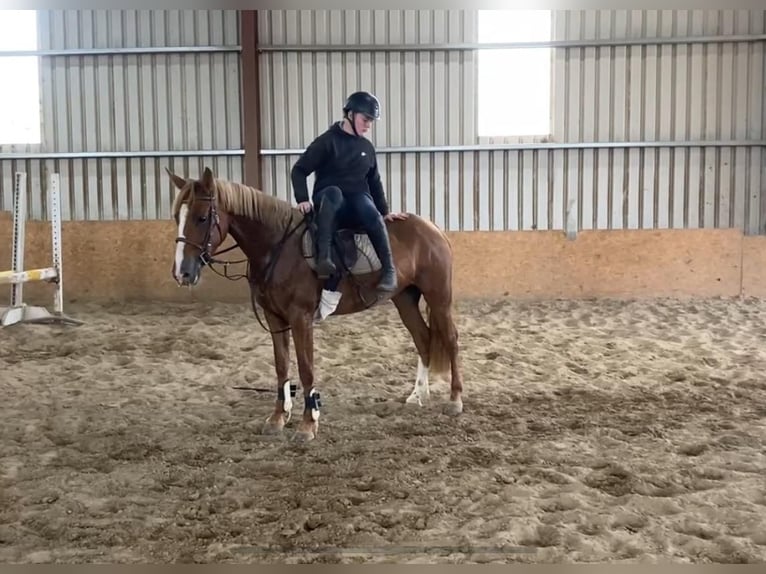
point(207, 179)
point(178, 181)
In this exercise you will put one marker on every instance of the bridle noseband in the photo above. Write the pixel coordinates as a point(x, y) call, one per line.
point(205, 257)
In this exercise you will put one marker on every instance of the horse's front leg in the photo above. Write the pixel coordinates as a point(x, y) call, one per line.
point(280, 338)
point(303, 339)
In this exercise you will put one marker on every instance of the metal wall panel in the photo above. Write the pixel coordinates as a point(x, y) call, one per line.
point(120, 103)
point(427, 97)
point(661, 93)
point(132, 103)
point(618, 93)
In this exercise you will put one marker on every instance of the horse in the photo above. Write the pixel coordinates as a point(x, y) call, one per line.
point(274, 235)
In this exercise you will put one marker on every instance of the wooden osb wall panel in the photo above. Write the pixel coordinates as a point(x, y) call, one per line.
point(118, 261)
point(132, 261)
point(620, 264)
point(754, 266)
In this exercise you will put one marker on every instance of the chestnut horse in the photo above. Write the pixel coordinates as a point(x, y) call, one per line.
point(270, 233)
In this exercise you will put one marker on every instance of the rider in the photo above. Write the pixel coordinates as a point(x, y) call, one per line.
point(347, 189)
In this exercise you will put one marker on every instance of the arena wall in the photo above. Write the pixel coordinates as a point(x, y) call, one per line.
point(514, 264)
point(655, 158)
point(648, 130)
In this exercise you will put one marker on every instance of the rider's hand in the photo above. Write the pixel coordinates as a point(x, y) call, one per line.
point(304, 206)
point(392, 216)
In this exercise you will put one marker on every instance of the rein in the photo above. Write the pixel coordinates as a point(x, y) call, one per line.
point(208, 260)
point(267, 272)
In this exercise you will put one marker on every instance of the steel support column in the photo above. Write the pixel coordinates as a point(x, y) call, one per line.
point(250, 98)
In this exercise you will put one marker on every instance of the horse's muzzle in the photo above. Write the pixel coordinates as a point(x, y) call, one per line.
point(189, 274)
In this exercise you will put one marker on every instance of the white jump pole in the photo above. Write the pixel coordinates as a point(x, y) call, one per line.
point(18, 312)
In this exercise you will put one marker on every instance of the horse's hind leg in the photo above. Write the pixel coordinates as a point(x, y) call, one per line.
point(407, 304)
point(444, 352)
point(443, 344)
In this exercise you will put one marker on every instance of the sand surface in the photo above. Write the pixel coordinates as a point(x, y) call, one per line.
point(592, 431)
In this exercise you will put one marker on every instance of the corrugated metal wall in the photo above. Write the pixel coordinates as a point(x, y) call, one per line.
point(427, 98)
point(142, 103)
point(660, 93)
point(136, 103)
point(679, 92)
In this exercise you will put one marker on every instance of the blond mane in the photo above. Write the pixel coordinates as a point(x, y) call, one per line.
point(239, 199)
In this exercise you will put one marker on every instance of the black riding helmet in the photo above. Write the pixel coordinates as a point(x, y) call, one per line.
point(362, 103)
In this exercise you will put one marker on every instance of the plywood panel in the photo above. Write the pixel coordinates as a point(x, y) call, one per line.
point(521, 265)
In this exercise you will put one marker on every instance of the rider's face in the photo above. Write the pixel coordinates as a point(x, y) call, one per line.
point(362, 123)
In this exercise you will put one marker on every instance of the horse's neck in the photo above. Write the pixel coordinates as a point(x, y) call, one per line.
point(255, 239)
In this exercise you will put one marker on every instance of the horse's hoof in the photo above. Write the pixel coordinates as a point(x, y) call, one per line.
point(415, 400)
point(453, 408)
point(303, 436)
point(271, 429)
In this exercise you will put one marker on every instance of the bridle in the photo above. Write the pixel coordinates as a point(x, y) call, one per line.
point(207, 259)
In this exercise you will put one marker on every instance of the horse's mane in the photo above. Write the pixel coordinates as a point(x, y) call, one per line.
point(239, 199)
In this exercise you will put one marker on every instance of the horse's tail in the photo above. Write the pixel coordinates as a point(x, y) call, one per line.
point(439, 362)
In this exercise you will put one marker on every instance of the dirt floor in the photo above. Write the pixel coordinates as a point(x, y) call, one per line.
point(592, 431)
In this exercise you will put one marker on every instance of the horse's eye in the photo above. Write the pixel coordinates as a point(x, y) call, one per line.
point(202, 218)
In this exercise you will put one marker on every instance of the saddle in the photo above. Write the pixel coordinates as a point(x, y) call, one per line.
point(351, 250)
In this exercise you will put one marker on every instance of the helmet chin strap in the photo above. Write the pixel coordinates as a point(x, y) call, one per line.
point(352, 122)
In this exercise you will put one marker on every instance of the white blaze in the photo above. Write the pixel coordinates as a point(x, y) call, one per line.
point(182, 213)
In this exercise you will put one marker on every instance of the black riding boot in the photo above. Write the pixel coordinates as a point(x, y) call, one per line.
point(378, 235)
point(325, 227)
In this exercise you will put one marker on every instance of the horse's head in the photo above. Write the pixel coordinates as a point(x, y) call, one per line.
point(201, 227)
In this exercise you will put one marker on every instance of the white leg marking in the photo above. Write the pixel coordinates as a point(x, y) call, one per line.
point(182, 213)
point(421, 391)
point(288, 404)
